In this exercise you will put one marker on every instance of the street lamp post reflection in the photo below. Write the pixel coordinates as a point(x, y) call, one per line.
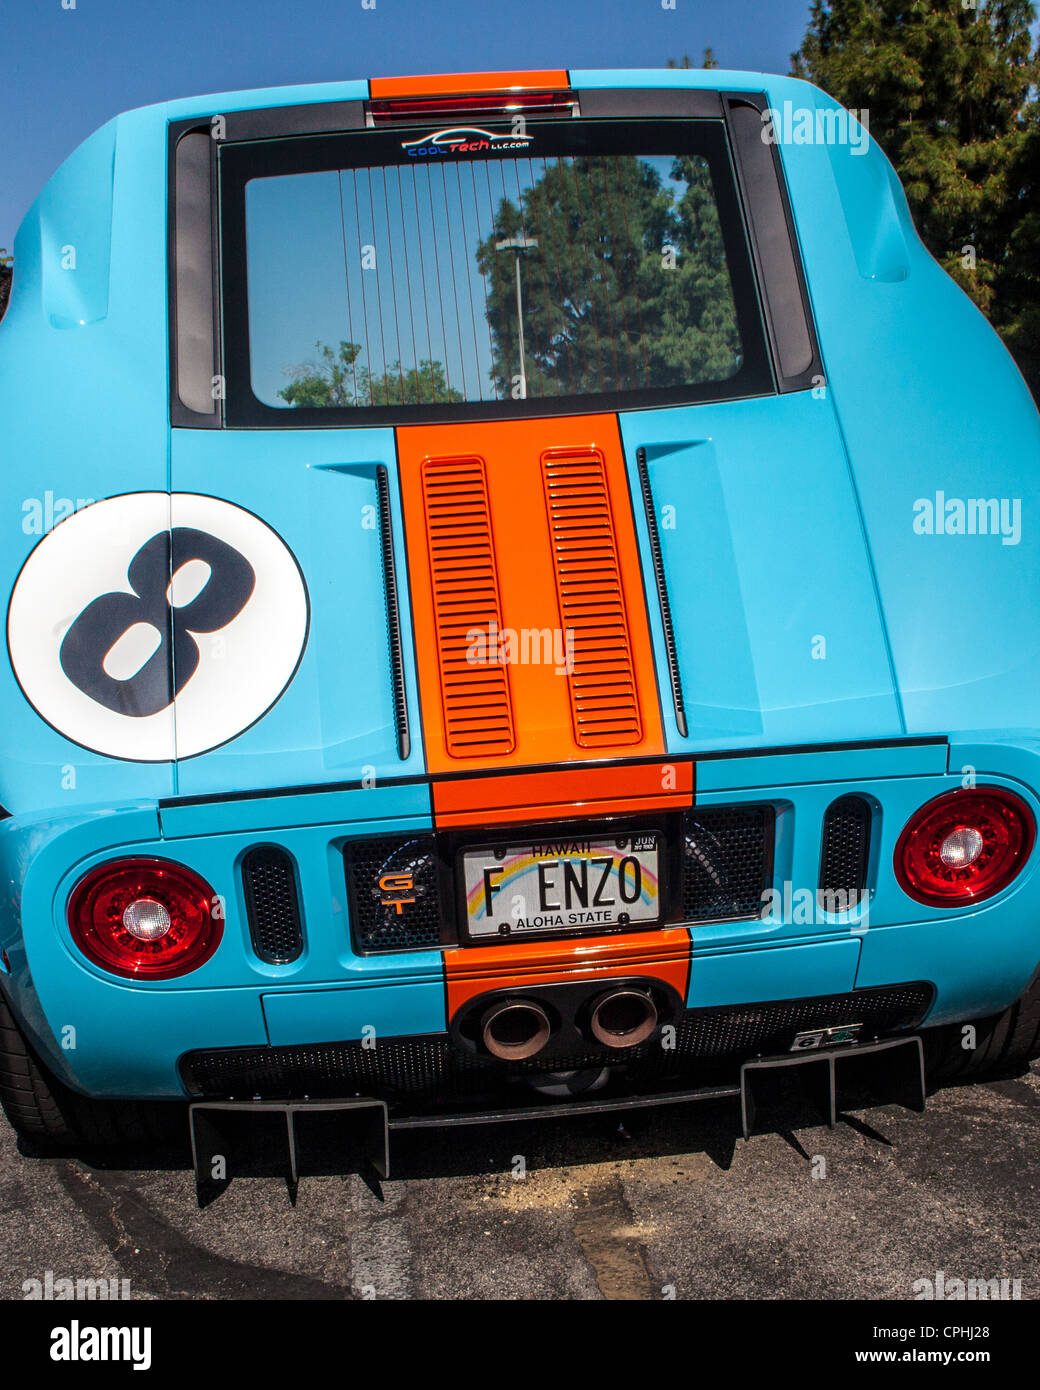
point(518, 245)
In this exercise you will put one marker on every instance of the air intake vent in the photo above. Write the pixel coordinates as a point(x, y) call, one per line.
point(392, 887)
point(727, 861)
point(5, 287)
point(845, 853)
point(604, 704)
point(272, 904)
point(662, 590)
point(393, 617)
point(478, 714)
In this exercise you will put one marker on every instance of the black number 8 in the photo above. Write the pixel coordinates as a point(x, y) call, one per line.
point(106, 619)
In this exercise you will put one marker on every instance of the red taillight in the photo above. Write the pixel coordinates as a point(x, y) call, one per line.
point(147, 919)
point(964, 846)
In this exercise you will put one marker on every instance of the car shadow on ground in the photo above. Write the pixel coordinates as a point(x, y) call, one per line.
point(786, 1105)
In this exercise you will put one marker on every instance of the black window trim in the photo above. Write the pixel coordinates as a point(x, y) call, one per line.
point(773, 265)
point(191, 245)
point(643, 104)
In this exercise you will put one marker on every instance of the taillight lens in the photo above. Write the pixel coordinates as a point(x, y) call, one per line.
point(146, 919)
point(964, 846)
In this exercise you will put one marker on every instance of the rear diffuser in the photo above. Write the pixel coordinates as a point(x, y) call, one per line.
point(251, 1138)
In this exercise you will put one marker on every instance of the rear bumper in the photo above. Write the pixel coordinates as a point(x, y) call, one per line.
point(429, 1072)
point(893, 1070)
point(110, 1037)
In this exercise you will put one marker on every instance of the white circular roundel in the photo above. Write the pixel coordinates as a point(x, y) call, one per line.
point(151, 627)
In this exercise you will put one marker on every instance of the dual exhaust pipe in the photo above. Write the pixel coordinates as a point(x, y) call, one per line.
point(515, 1029)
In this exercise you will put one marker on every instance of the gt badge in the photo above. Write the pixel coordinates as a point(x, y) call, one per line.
point(397, 883)
point(151, 627)
point(826, 1037)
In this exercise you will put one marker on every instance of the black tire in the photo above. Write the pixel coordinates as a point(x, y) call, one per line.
point(51, 1116)
point(1004, 1044)
point(27, 1097)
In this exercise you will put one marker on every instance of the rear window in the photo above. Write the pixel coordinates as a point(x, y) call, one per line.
point(472, 270)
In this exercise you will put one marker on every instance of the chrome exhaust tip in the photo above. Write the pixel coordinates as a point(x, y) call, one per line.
point(514, 1029)
point(623, 1018)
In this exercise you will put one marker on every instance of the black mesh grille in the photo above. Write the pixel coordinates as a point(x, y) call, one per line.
point(845, 852)
point(727, 864)
point(376, 922)
point(272, 904)
point(727, 861)
point(432, 1068)
point(762, 1028)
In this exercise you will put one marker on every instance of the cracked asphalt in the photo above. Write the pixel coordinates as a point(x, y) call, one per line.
point(674, 1205)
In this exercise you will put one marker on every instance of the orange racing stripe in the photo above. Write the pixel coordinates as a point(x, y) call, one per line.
point(521, 532)
point(661, 955)
point(562, 794)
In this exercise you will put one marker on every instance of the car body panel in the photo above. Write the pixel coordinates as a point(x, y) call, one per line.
point(825, 646)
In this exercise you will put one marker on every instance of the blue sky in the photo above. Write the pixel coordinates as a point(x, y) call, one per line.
point(66, 71)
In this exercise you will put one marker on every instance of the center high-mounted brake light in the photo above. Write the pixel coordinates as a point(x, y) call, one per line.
point(431, 97)
point(964, 846)
point(544, 103)
point(146, 919)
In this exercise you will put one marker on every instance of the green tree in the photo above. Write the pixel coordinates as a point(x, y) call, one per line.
point(624, 282)
point(691, 306)
point(332, 380)
point(335, 379)
point(422, 385)
point(1020, 283)
point(951, 96)
point(709, 60)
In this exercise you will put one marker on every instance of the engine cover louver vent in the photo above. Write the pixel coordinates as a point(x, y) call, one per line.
point(478, 715)
point(604, 705)
point(528, 606)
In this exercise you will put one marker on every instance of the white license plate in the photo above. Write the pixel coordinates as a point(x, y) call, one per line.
point(560, 885)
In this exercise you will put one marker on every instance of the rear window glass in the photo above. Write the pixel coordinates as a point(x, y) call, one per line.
point(469, 270)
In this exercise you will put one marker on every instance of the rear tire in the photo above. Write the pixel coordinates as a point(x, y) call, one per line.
point(1004, 1044)
point(51, 1116)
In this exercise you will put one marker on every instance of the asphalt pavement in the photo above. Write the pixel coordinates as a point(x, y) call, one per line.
point(665, 1204)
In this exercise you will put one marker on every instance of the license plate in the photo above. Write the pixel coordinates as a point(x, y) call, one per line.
point(560, 885)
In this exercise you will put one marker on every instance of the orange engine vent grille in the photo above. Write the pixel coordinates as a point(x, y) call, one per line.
point(604, 705)
point(478, 714)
